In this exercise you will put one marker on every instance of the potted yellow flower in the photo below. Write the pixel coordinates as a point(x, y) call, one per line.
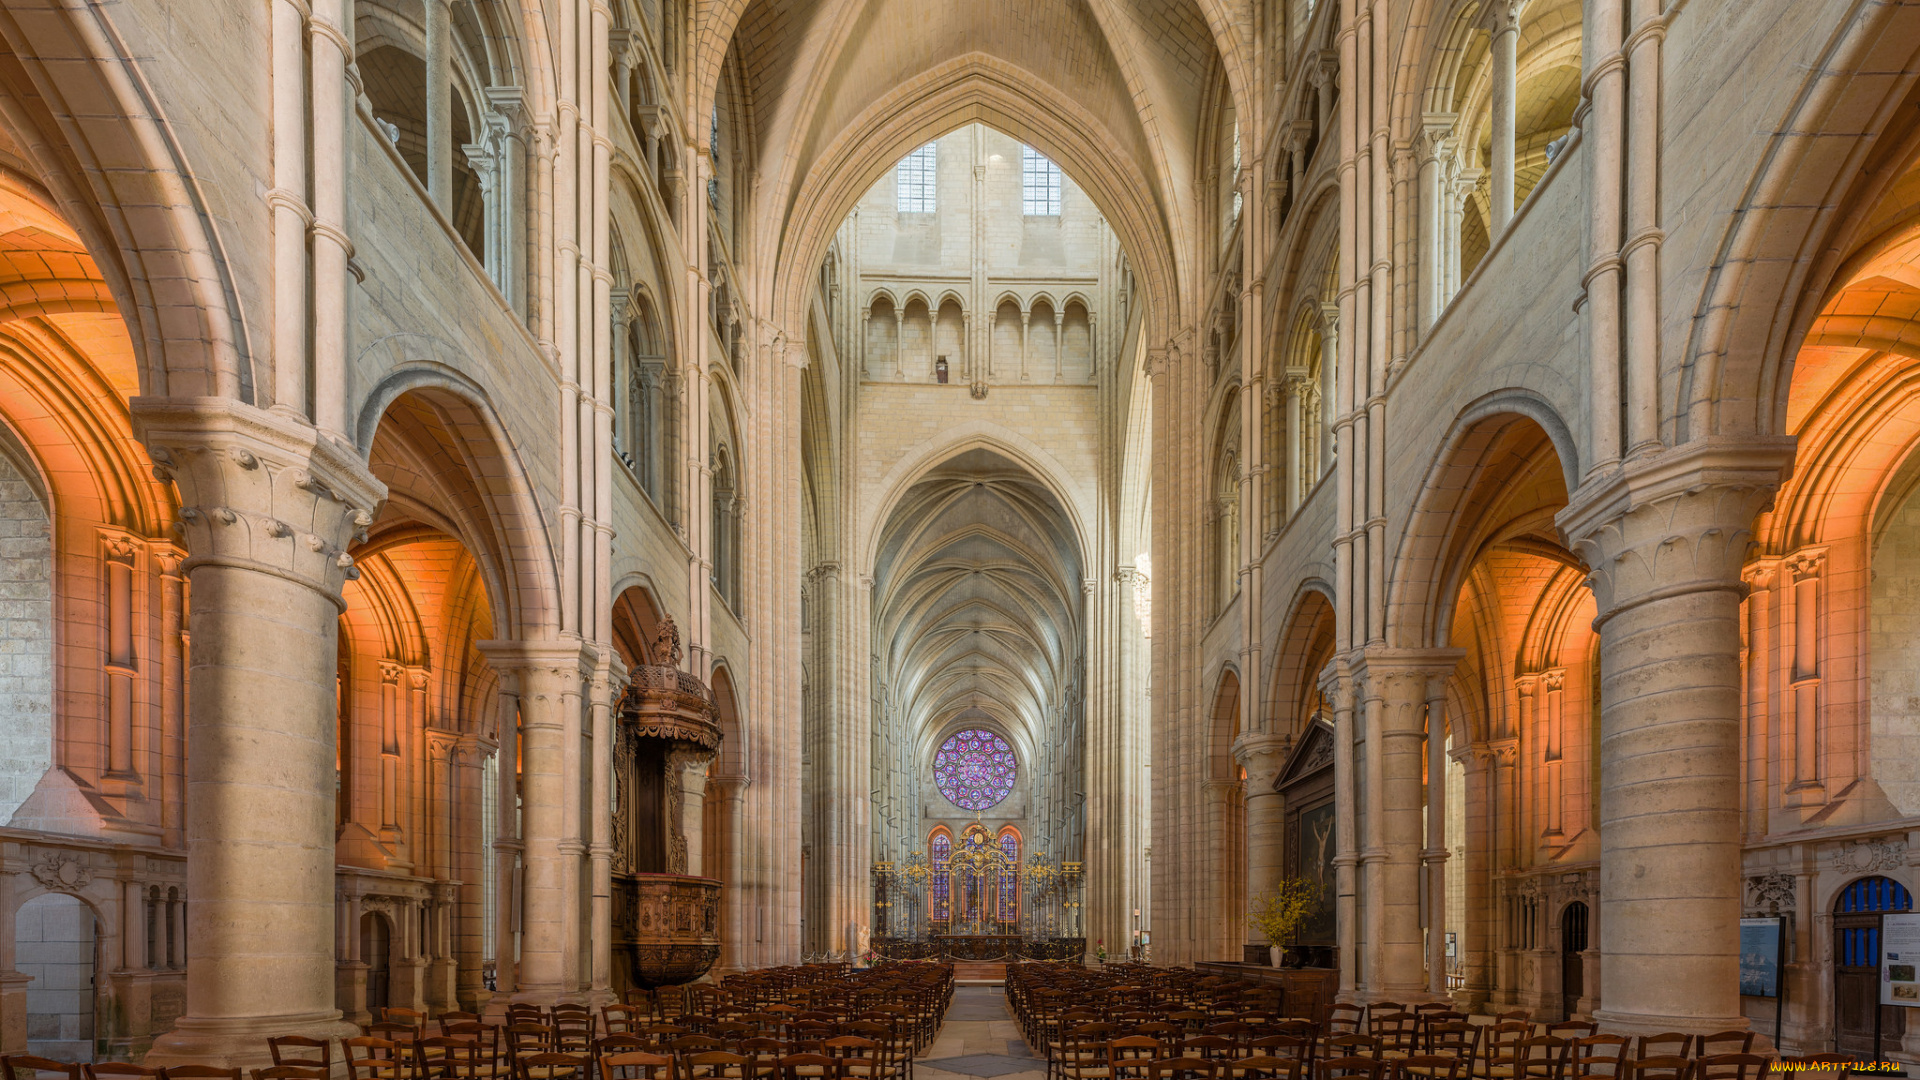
point(1277, 913)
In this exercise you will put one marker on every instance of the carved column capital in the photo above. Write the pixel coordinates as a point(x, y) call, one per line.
point(1675, 521)
point(260, 490)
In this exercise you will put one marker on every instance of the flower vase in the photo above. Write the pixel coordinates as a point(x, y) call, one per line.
point(1273, 954)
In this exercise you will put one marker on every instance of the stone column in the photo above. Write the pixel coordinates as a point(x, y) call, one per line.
point(1401, 684)
point(1337, 687)
point(1436, 204)
point(467, 930)
point(439, 18)
point(267, 510)
point(1434, 858)
point(1505, 27)
point(1476, 942)
point(1262, 754)
point(1666, 536)
point(551, 677)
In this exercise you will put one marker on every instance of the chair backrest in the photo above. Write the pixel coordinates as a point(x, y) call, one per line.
point(1265, 1067)
point(849, 1046)
point(619, 1044)
point(1330, 1068)
point(1596, 1053)
point(806, 1067)
point(290, 1050)
point(1350, 1045)
point(1731, 1067)
point(635, 1065)
point(1665, 1044)
point(1286, 1046)
point(529, 1038)
point(552, 1065)
point(1344, 1019)
point(1723, 1042)
point(1211, 1047)
point(1572, 1029)
point(694, 1044)
point(1542, 1057)
point(118, 1068)
point(1394, 1029)
point(1503, 1040)
point(200, 1072)
point(1513, 1016)
point(370, 1057)
point(1455, 1037)
point(393, 1031)
point(290, 1072)
point(1181, 1068)
point(1660, 1067)
point(1430, 1066)
point(459, 1055)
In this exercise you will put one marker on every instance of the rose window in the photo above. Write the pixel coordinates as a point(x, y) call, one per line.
point(974, 769)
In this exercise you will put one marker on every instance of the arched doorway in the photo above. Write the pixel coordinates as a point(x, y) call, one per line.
point(376, 948)
point(1573, 942)
point(1856, 965)
point(53, 940)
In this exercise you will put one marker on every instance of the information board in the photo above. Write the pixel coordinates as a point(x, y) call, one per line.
point(1760, 957)
point(1900, 959)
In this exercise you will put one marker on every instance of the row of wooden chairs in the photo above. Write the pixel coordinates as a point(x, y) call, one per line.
point(25, 1066)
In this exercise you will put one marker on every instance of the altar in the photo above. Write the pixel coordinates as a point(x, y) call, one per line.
point(975, 900)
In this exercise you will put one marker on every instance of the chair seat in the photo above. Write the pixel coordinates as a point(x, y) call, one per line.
point(1497, 1072)
point(548, 1072)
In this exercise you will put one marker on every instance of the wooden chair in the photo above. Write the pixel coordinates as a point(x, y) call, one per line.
point(573, 1029)
point(1455, 1038)
point(1542, 1057)
point(1334, 1068)
point(1350, 1045)
point(1344, 1019)
point(622, 1019)
point(370, 1057)
point(92, 1070)
point(301, 1051)
point(1663, 1067)
point(636, 1065)
point(1432, 1067)
point(290, 1072)
point(1396, 1031)
point(455, 1057)
point(1723, 1042)
point(1500, 1049)
point(552, 1065)
point(797, 1067)
point(1665, 1044)
point(1127, 1056)
point(200, 1072)
point(1597, 1055)
point(1286, 1046)
point(1215, 1048)
point(1731, 1067)
point(1182, 1068)
point(529, 1038)
point(1265, 1067)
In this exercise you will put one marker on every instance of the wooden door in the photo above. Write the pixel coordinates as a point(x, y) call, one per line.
point(1856, 973)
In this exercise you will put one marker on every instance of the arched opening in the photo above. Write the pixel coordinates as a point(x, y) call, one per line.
point(376, 952)
point(1575, 940)
point(1483, 571)
point(26, 626)
point(54, 941)
point(1857, 909)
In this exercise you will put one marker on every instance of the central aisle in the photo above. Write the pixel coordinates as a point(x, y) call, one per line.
point(979, 1038)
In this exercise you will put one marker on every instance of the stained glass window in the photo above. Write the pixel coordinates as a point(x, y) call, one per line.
point(941, 847)
point(1010, 877)
point(974, 769)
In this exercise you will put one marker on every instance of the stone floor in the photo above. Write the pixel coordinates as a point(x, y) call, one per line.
point(979, 1039)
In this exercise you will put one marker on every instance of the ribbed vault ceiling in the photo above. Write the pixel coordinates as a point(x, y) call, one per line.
point(977, 601)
